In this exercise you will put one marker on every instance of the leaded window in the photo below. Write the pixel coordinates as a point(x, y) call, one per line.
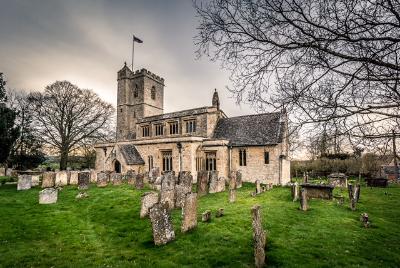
point(242, 157)
point(173, 128)
point(145, 131)
point(190, 126)
point(159, 129)
point(167, 160)
point(211, 161)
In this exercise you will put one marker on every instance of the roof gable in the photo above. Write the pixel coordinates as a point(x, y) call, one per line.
point(131, 155)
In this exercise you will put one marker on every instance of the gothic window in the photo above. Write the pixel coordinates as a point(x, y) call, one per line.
point(136, 91)
point(159, 129)
point(199, 163)
point(190, 126)
point(242, 157)
point(150, 161)
point(145, 131)
point(211, 161)
point(167, 160)
point(266, 157)
point(153, 93)
point(173, 128)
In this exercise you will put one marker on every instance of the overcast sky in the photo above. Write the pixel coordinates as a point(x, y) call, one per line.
point(87, 42)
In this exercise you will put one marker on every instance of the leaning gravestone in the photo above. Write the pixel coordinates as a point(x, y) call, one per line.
point(189, 212)
point(149, 199)
point(61, 178)
point(163, 231)
point(238, 179)
point(202, 182)
point(24, 182)
point(48, 196)
point(83, 180)
point(48, 179)
point(139, 182)
point(102, 179)
point(73, 177)
point(259, 237)
point(168, 197)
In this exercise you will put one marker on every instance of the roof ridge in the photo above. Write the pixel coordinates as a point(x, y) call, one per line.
point(202, 107)
point(251, 115)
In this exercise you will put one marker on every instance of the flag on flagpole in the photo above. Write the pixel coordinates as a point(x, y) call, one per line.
point(135, 39)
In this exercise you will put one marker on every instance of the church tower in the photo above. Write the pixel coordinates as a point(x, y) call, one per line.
point(140, 94)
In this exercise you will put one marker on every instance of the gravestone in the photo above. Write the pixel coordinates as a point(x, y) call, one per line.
point(232, 180)
point(83, 180)
point(232, 195)
point(303, 199)
point(364, 218)
point(35, 180)
point(24, 182)
point(2, 171)
point(189, 212)
point(139, 183)
point(213, 184)
point(130, 177)
point(259, 237)
point(168, 181)
point(149, 199)
point(168, 197)
point(102, 179)
point(154, 173)
point(220, 213)
point(202, 182)
point(73, 179)
point(185, 179)
point(238, 179)
point(48, 196)
point(180, 193)
point(163, 231)
point(295, 191)
point(61, 178)
point(206, 216)
point(93, 176)
point(48, 179)
point(116, 178)
point(258, 187)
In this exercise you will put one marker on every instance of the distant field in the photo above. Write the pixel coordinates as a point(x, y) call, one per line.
point(105, 231)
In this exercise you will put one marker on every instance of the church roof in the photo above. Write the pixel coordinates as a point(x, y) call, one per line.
point(172, 115)
point(249, 130)
point(131, 155)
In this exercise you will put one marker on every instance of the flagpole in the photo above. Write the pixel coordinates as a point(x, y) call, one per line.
point(133, 50)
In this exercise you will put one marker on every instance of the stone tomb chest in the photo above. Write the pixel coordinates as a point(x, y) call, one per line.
point(338, 180)
point(320, 191)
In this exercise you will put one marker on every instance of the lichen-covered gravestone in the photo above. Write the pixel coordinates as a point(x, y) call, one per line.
point(232, 195)
point(24, 182)
point(213, 184)
point(2, 171)
point(116, 178)
point(130, 177)
point(149, 199)
point(73, 177)
point(202, 182)
point(61, 178)
point(238, 179)
point(185, 179)
point(168, 197)
point(48, 179)
point(163, 231)
point(35, 180)
point(189, 212)
point(83, 180)
point(180, 193)
point(259, 237)
point(232, 180)
point(102, 179)
point(93, 176)
point(139, 182)
point(168, 181)
point(48, 196)
point(303, 199)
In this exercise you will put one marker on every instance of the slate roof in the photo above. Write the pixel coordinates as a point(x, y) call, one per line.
point(131, 155)
point(249, 130)
point(189, 112)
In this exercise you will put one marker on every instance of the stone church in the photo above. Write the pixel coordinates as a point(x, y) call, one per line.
point(201, 138)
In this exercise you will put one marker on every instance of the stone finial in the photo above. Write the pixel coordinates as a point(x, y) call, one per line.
point(215, 99)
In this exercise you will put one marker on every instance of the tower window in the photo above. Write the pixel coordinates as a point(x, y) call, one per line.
point(242, 157)
point(173, 128)
point(153, 93)
point(136, 91)
point(159, 129)
point(211, 161)
point(167, 160)
point(145, 131)
point(190, 126)
point(266, 157)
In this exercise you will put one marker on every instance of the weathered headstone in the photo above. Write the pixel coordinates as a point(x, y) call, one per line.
point(220, 213)
point(163, 231)
point(2, 171)
point(149, 199)
point(238, 179)
point(154, 173)
point(303, 199)
point(168, 181)
point(48, 196)
point(180, 193)
point(185, 179)
point(24, 182)
point(295, 191)
point(213, 182)
point(232, 195)
point(93, 176)
point(202, 182)
point(35, 180)
point(259, 237)
point(350, 190)
point(206, 216)
point(357, 191)
point(130, 177)
point(139, 183)
point(83, 180)
point(62, 178)
point(73, 179)
point(364, 218)
point(258, 187)
point(102, 179)
point(116, 178)
point(189, 212)
point(48, 179)
point(232, 180)
point(168, 197)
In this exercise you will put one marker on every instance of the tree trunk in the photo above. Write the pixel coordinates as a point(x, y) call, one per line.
point(64, 159)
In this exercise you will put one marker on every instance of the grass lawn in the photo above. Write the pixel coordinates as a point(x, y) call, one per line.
point(105, 231)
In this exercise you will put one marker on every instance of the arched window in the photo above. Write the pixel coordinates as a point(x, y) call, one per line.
point(242, 157)
point(153, 93)
point(136, 91)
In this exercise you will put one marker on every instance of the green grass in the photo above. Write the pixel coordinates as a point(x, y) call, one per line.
point(105, 231)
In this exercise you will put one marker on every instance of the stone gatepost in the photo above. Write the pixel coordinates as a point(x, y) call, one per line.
point(102, 179)
point(303, 199)
point(149, 199)
point(163, 231)
point(232, 195)
point(24, 182)
point(259, 237)
point(295, 191)
point(73, 177)
point(48, 196)
point(48, 179)
point(189, 212)
point(202, 182)
point(83, 180)
point(258, 187)
point(238, 179)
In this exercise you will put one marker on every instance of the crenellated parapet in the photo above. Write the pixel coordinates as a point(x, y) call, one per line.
point(145, 72)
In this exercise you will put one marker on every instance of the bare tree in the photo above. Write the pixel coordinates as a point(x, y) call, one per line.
point(321, 60)
point(66, 116)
